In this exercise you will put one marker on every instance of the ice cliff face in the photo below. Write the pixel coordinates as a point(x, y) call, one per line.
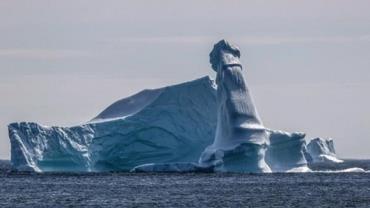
point(38, 148)
point(322, 150)
point(171, 124)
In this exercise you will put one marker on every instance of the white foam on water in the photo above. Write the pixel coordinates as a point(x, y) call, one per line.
point(347, 170)
point(303, 169)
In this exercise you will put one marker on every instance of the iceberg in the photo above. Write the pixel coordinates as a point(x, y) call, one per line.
point(322, 150)
point(197, 126)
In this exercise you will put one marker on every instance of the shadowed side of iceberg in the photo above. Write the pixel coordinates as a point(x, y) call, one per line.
point(175, 127)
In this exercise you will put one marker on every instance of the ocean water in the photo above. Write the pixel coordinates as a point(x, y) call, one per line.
point(328, 187)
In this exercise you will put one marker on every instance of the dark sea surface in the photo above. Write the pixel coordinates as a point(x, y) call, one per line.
point(317, 189)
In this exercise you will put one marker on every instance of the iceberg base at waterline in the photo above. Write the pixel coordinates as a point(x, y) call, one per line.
point(245, 157)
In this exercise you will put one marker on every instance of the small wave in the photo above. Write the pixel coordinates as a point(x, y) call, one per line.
point(347, 170)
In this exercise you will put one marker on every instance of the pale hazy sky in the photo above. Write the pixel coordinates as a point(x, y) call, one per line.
point(308, 62)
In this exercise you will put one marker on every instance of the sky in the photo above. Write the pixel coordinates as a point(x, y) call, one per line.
point(307, 62)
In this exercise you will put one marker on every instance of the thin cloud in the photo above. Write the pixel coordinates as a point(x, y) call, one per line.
point(42, 53)
point(296, 39)
point(250, 40)
point(171, 39)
